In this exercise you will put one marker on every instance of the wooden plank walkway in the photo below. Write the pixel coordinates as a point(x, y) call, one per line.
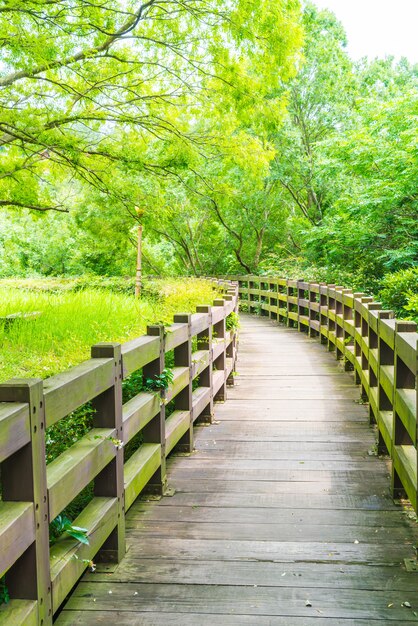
point(281, 516)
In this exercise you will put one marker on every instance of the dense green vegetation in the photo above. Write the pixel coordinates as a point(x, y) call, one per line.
point(73, 319)
point(240, 135)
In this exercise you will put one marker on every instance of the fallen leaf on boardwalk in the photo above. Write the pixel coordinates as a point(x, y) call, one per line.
point(390, 605)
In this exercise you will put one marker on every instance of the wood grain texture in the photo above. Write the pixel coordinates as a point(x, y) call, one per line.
point(280, 516)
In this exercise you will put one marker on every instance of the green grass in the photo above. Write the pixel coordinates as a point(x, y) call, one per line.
point(72, 321)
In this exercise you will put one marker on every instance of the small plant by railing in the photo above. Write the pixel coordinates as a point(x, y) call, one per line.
point(159, 382)
point(232, 321)
point(61, 524)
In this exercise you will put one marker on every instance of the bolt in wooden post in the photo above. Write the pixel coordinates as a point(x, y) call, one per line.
point(23, 478)
point(109, 482)
point(204, 342)
point(183, 400)
point(154, 431)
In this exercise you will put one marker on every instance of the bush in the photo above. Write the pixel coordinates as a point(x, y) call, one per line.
point(412, 306)
point(399, 292)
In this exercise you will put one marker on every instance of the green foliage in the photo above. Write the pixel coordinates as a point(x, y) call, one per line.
point(68, 431)
point(74, 319)
point(399, 292)
point(61, 524)
point(346, 164)
point(159, 382)
point(4, 592)
point(240, 153)
point(94, 95)
point(412, 306)
point(232, 321)
point(132, 385)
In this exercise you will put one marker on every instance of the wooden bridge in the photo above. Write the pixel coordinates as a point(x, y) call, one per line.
point(283, 514)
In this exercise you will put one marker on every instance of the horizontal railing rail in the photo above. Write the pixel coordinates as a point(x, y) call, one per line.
point(380, 349)
point(39, 576)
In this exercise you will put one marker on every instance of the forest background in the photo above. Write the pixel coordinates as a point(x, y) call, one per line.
point(240, 135)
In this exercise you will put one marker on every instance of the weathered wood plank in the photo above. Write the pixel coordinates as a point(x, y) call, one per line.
point(14, 428)
point(275, 551)
point(65, 392)
point(139, 352)
point(69, 558)
point(308, 532)
point(255, 601)
point(291, 501)
point(250, 515)
point(152, 618)
point(19, 612)
point(17, 531)
point(251, 487)
point(239, 472)
point(139, 469)
point(175, 427)
point(312, 575)
point(137, 412)
point(77, 466)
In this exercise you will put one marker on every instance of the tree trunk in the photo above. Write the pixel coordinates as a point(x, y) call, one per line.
point(138, 277)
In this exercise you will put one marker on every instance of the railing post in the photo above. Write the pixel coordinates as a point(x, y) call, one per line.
point(230, 349)
point(323, 313)
point(109, 482)
point(385, 359)
point(300, 296)
point(348, 316)
point(314, 309)
point(331, 314)
point(183, 400)
point(219, 330)
point(339, 320)
point(204, 342)
point(23, 478)
point(247, 278)
point(404, 433)
point(154, 431)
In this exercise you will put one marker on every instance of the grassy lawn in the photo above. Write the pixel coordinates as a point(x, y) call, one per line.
point(74, 316)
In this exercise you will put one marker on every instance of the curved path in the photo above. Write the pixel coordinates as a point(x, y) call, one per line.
point(281, 516)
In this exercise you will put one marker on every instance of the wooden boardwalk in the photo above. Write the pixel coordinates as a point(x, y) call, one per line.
point(281, 516)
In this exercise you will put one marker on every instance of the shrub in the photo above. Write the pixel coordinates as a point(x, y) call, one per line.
point(399, 292)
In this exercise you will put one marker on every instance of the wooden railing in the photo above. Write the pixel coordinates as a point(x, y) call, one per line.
point(38, 577)
point(380, 349)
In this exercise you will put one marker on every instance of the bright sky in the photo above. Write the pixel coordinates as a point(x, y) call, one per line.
point(378, 28)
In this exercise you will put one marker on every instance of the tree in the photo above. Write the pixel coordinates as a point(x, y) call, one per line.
point(86, 87)
point(320, 100)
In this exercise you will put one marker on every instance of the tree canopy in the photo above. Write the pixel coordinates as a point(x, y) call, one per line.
point(243, 132)
point(88, 88)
